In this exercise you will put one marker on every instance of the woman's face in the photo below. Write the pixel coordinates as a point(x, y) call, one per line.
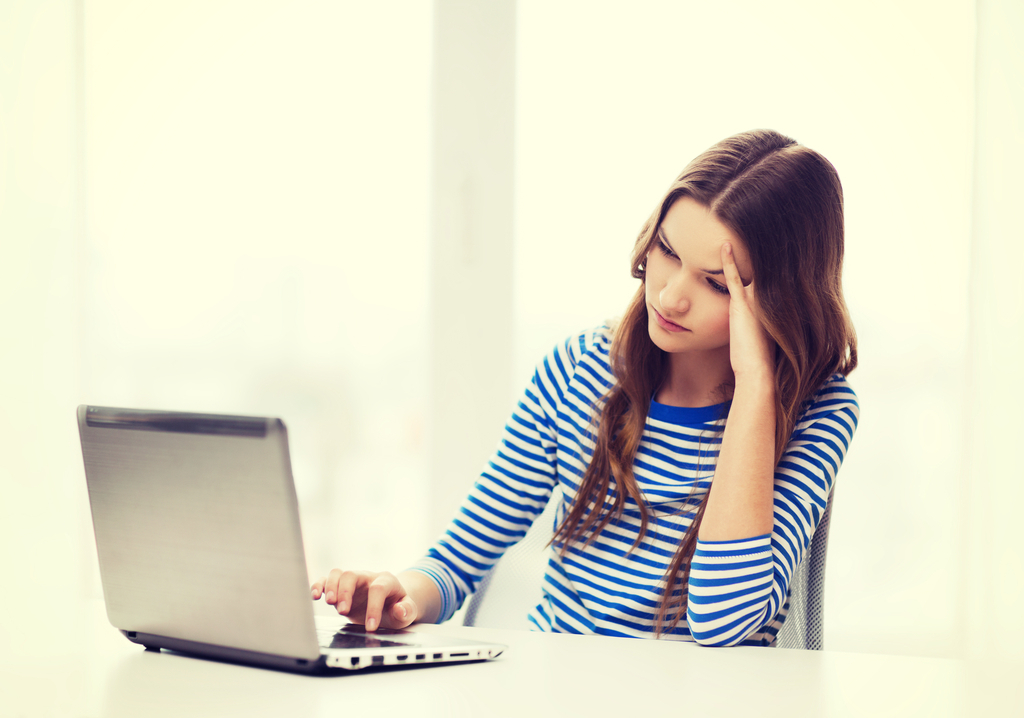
point(687, 299)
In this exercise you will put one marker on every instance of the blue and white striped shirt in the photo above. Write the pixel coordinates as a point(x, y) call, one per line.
point(737, 589)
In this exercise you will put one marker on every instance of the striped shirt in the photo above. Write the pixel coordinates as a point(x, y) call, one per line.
point(738, 589)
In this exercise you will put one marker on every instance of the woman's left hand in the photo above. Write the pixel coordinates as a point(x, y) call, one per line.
point(751, 349)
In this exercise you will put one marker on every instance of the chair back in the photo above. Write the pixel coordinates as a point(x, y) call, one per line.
point(508, 592)
point(805, 623)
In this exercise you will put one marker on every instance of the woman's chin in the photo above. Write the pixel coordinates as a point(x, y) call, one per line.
point(665, 340)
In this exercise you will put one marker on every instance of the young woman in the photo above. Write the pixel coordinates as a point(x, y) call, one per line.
point(695, 443)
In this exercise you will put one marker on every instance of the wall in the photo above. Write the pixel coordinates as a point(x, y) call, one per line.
point(224, 206)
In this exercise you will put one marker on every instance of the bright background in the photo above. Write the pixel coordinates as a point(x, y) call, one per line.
point(226, 206)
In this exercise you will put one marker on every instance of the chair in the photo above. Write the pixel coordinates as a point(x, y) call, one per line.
point(512, 587)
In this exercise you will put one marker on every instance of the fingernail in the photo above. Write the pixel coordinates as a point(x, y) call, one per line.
point(342, 605)
point(330, 597)
point(371, 624)
point(403, 611)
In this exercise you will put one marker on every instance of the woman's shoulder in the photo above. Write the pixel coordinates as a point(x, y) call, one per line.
point(594, 343)
point(836, 400)
point(581, 357)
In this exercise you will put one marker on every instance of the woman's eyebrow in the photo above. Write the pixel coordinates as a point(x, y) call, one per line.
point(664, 240)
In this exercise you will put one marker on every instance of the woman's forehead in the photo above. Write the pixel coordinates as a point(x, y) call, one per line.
point(694, 233)
point(687, 220)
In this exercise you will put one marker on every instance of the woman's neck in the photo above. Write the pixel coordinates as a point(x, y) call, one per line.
point(696, 379)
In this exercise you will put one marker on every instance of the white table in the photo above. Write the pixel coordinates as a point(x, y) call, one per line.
point(540, 675)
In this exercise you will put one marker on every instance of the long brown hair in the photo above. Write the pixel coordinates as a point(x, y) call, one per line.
point(785, 202)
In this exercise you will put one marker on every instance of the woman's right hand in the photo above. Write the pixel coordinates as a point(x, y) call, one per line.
point(373, 599)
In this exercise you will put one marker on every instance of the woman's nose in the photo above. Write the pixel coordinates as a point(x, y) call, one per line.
point(675, 297)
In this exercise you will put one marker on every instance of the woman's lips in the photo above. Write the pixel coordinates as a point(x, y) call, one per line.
point(666, 324)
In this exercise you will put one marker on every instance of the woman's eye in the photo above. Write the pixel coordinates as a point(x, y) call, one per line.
point(666, 250)
point(715, 286)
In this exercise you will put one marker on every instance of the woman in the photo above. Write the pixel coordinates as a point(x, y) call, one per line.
point(695, 443)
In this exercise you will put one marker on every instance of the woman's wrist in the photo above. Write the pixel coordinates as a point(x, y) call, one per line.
point(424, 594)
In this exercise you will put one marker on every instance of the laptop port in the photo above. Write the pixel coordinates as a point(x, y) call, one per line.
point(401, 658)
point(355, 661)
point(420, 656)
point(438, 656)
point(458, 655)
point(377, 661)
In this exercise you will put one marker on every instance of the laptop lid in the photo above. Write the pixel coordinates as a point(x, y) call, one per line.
point(197, 530)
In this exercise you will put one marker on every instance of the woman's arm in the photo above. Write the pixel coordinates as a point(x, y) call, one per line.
point(508, 496)
point(760, 518)
point(514, 487)
point(738, 587)
point(740, 504)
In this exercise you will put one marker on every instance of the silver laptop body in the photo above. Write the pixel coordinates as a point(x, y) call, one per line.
point(200, 548)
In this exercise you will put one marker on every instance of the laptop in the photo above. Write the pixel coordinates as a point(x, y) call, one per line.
point(200, 547)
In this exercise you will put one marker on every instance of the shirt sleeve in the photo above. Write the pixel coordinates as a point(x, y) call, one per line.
point(512, 490)
point(737, 587)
